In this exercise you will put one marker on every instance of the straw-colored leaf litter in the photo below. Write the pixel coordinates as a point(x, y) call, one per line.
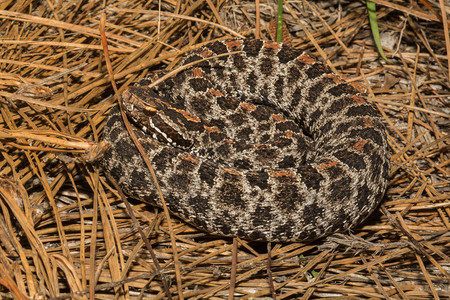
point(65, 231)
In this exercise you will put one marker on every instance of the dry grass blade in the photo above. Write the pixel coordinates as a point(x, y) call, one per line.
point(64, 230)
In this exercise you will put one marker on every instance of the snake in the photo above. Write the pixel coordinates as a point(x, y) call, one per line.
point(252, 139)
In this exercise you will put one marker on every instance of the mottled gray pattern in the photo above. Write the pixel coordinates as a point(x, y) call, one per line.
point(266, 144)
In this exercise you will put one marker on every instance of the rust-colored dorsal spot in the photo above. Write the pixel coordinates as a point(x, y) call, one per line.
point(231, 171)
point(289, 134)
point(359, 145)
point(188, 116)
point(283, 173)
point(232, 44)
point(248, 106)
point(206, 53)
point(272, 45)
point(215, 92)
point(304, 58)
point(212, 129)
point(197, 72)
point(278, 118)
point(360, 87)
point(327, 165)
point(335, 78)
point(368, 122)
point(358, 99)
point(190, 159)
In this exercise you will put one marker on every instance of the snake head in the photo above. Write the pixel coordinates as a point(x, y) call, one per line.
point(155, 117)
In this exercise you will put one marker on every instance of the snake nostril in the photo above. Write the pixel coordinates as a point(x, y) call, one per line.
point(150, 111)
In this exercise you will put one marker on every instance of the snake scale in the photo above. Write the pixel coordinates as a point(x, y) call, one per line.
point(253, 139)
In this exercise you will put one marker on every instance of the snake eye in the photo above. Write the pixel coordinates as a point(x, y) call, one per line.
point(150, 110)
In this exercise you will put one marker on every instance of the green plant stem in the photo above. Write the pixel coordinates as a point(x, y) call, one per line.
point(280, 21)
point(371, 8)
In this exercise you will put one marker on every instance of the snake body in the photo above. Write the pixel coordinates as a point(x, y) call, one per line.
point(261, 142)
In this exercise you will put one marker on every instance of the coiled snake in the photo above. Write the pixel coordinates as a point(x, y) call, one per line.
point(265, 144)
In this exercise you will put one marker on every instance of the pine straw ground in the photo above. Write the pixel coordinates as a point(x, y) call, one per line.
point(65, 232)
